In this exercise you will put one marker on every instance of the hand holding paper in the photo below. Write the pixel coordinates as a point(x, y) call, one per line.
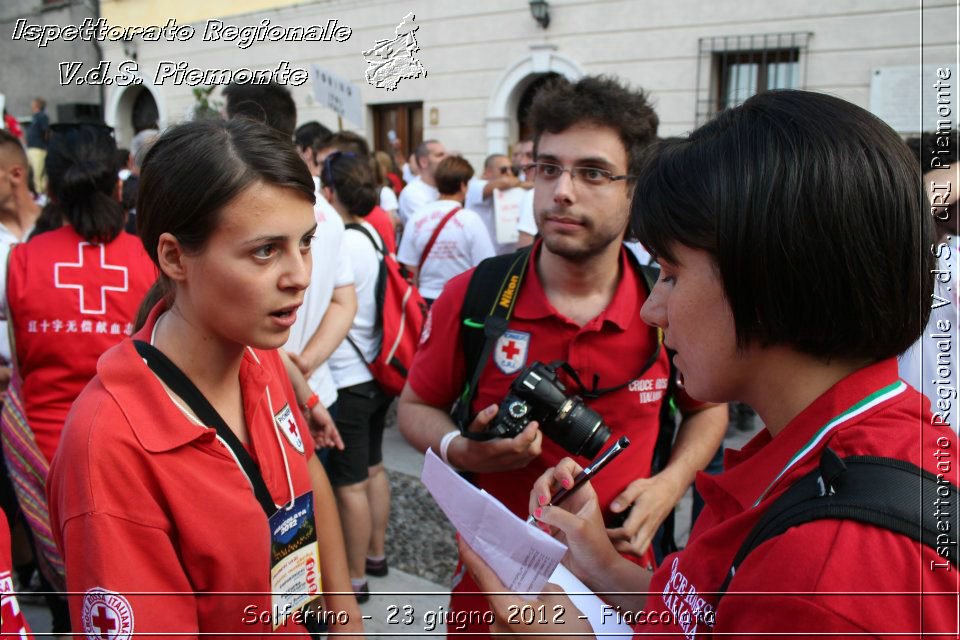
point(507, 553)
point(522, 556)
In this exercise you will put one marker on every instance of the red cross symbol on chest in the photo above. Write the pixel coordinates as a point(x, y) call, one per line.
point(511, 350)
point(91, 276)
point(103, 621)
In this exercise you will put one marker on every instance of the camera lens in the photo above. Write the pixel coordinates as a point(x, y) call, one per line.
point(580, 430)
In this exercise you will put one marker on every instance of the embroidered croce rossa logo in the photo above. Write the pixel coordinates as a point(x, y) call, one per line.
point(288, 427)
point(106, 614)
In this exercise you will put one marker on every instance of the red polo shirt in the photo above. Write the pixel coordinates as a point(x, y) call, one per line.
point(70, 301)
point(13, 624)
point(142, 499)
point(612, 347)
point(823, 577)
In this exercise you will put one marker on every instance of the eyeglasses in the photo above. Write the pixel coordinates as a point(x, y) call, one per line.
point(548, 172)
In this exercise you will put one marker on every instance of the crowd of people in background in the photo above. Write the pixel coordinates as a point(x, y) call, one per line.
point(164, 393)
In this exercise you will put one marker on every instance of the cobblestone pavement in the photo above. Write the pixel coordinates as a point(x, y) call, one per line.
point(420, 539)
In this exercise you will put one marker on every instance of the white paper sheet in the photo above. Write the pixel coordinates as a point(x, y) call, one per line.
point(521, 555)
point(506, 208)
point(602, 617)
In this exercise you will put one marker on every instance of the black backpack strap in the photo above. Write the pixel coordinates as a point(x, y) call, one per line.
point(666, 433)
point(885, 492)
point(485, 315)
point(180, 384)
point(381, 248)
point(380, 291)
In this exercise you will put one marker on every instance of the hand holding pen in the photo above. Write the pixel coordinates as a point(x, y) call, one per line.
point(588, 472)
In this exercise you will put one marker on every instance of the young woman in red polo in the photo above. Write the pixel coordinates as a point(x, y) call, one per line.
point(185, 496)
point(793, 236)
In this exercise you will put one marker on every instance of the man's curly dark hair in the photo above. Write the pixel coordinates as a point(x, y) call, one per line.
point(600, 100)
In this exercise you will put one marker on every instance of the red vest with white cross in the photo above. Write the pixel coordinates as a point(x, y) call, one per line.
point(69, 301)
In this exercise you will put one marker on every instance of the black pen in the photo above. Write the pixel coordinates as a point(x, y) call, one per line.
point(591, 470)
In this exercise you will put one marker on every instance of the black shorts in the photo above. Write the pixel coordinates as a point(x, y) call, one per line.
point(361, 416)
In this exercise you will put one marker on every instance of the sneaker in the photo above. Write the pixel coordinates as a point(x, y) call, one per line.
point(363, 593)
point(377, 568)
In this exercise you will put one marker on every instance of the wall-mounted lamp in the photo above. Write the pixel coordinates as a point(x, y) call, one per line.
point(540, 11)
point(130, 48)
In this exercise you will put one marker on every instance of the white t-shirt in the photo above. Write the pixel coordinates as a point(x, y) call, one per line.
point(643, 256)
point(462, 243)
point(388, 200)
point(918, 365)
point(408, 175)
point(527, 222)
point(414, 196)
point(485, 209)
point(7, 240)
point(345, 363)
point(331, 269)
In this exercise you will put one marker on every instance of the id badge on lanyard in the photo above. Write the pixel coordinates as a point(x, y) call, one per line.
point(294, 558)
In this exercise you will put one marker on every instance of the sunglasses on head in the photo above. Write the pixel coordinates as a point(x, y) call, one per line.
point(328, 165)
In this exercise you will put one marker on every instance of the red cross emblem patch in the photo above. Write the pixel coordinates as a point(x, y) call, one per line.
point(107, 615)
point(288, 427)
point(510, 352)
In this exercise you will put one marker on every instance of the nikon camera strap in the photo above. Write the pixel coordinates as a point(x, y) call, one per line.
point(500, 274)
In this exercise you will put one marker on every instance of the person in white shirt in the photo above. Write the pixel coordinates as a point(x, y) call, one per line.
point(357, 473)
point(388, 197)
point(463, 241)
point(497, 174)
point(423, 190)
point(329, 305)
point(930, 363)
point(527, 224)
point(522, 156)
point(388, 201)
point(305, 137)
point(18, 213)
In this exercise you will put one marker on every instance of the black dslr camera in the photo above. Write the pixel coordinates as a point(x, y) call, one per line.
point(537, 394)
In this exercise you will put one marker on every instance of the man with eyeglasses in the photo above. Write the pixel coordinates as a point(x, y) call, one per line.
point(579, 303)
point(497, 174)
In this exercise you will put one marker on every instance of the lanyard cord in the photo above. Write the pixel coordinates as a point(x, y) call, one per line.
point(196, 421)
point(173, 378)
point(872, 400)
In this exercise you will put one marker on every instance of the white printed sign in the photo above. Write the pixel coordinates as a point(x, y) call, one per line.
point(506, 213)
point(340, 95)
